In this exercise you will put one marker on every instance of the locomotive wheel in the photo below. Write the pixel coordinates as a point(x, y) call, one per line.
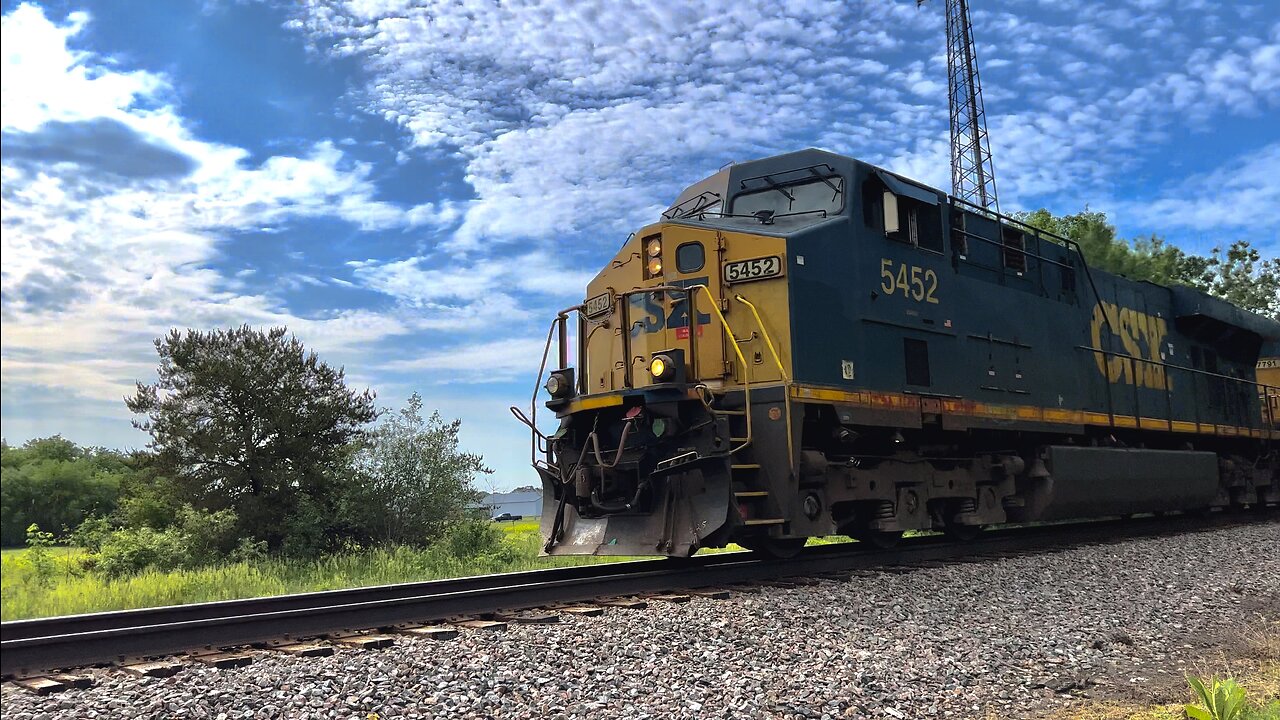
point(962, 533)
point(776, 548)
point(880, 539)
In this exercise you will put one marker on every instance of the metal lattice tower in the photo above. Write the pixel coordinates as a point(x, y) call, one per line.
point(972, 174)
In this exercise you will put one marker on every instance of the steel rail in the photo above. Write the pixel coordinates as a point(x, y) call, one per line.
point(30, 646)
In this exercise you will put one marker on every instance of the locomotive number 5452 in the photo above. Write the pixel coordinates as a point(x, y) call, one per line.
point(917, 283)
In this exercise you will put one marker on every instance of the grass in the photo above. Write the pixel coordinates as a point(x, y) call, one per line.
point(72, 589)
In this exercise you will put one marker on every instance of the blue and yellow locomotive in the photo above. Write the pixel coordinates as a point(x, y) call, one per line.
point(806, 345)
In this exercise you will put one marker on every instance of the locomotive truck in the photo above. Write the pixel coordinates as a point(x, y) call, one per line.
point(806, 344)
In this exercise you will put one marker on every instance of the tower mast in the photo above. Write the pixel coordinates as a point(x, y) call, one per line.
point(972, 173)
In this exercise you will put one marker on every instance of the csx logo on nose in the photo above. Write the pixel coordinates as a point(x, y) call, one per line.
point(657, 318)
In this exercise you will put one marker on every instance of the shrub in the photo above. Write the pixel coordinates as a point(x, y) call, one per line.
point(133, 550)
point(197, 538)
point(471, 538)
point(208, 536)
point(90, 534)
point(146, 506)
point(38, 556)
point(249, 550)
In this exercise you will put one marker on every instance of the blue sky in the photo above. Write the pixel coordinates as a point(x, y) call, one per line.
point(414, 188)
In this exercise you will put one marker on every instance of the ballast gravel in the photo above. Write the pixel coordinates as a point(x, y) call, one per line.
point(1001, 638)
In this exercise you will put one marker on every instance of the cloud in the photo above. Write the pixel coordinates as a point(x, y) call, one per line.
point(1242, 193)
point(46, 80)
point(589, 116)
point(96, 147)
point(592, 115)
point(114, 214)
point(563, 126)
point(485, 362)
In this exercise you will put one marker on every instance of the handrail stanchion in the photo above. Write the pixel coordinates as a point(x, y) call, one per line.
point(582, 354)
point(562, 328)
point(625, 306)
point(782, 372)
point(691, 362)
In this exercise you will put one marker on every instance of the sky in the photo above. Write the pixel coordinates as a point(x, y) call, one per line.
point(414, 189)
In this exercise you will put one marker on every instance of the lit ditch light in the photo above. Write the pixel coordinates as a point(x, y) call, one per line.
point(667, 366)
point(661, 367)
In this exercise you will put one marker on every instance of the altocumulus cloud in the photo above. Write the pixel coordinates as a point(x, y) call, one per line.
point(588, 116)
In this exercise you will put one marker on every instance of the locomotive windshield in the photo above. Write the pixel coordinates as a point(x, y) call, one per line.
point(821, 196)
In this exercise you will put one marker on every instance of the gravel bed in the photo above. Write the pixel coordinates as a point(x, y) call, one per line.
point(1014, 637)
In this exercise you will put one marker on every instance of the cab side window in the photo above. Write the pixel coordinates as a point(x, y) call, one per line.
point(918, 223)
point(902, 218)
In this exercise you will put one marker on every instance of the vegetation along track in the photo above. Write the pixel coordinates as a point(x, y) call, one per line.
point(30, 646)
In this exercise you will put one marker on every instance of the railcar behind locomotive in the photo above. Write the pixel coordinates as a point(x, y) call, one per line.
point(807, 344)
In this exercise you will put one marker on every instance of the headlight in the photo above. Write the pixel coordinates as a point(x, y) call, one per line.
point(655, 267)
point(661, 367)
point(558, 385)
point(654, 248)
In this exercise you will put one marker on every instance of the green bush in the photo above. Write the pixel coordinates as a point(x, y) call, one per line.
point(249, 550)
point(197, 538)
point(132, 550)
point(38, 556)
point(472, 538)
point(208, 536)
point(146, 506)
point(90, 534)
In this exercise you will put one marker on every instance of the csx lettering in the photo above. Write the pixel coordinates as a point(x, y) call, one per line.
point(916, 283)
point(1141, 336)
point(656, 317)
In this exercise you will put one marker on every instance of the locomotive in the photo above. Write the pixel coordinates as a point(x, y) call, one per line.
point(806, 345)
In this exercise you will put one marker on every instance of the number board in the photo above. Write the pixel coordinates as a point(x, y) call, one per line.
point(754, 269)
point(599, 305)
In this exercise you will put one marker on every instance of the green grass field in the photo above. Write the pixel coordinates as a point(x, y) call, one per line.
point(72, 589)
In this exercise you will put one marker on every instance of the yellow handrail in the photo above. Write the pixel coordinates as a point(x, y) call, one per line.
point(782, 372)
point(742, 360)
point(764, 332)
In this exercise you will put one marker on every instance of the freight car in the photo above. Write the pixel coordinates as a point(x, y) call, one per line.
point(807, 344)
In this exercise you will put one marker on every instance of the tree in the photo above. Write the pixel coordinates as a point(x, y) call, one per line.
point(56, 484)
point(1238, 274)
point(417, 480)
point(249, 420)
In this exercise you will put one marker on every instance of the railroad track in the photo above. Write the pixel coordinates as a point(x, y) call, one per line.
point(28, 647)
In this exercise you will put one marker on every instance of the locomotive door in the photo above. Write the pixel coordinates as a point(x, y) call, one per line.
point(693, 256)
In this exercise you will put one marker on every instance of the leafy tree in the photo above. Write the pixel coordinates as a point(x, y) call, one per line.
point(249, 420)
point(56, 484)
point(1239, 274)
point(417, 480)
